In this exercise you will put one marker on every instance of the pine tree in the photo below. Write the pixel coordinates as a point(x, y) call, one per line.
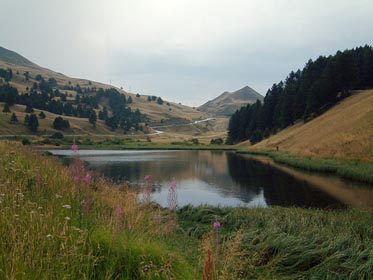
point(41, 115)
point(33, 123)
point(6, 108)
point(13, 118)
point(93, 118)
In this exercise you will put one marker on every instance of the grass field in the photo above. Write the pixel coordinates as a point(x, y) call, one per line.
point(60, 223)
point(348, 169)
point(343, 132)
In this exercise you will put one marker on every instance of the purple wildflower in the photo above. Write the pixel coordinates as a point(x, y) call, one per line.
point(87, 178)
point(118, 212)
point(74, 147)
point(147, 178)
point(173, 186)
point(216, 224)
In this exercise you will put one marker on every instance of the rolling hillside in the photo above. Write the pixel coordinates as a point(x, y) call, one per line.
point(345, 131)
point(157, 113)
point(228, 102)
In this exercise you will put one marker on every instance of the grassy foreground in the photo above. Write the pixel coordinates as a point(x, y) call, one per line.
point(348, 169)
point(61, 223)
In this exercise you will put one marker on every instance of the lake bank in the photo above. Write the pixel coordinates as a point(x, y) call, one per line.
point(76, 226)
point(349, 169)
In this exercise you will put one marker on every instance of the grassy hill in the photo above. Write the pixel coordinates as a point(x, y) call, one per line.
point(167, 112)
point(228, 102)
point(345, 132)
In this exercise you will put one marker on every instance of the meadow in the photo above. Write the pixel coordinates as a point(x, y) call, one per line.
point(61, 222)
point(349, 169)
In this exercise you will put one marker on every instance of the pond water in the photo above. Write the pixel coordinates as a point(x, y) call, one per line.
point(222, 178)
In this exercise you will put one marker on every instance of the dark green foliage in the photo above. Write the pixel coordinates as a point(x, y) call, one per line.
point(27, 75)
point(92, 118)
point(129, 100)
point(6, 108)
point(57, 135)
point(29, 109)
point(138, 95)
point(149, 98)
point(159, 101)
point(195, 141)
point(103, 115)
point(217, 141)
point(26, 141)
point(8, 94)
point(304, 95)
point(13, 118)
point(7, 74)
point(41, 115)
point(122, 117)
point(39, 77)
point(60, 123)
point(32, 123)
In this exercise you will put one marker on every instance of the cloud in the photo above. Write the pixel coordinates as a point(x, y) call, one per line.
point(187, 50)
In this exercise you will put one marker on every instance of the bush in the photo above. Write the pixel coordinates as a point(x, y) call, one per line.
point(217, 141)
point(26, 141)
point(57, 135)
point(60, 123)
point(195, 141)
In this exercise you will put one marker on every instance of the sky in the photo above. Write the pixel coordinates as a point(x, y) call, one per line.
point(187, 51)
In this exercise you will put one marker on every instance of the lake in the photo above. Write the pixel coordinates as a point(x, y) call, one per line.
point(222, 178)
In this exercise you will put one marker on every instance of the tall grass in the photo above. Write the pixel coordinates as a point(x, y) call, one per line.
point(292, 243)
point(348, 169)
point(59, 223)
point(62, 223)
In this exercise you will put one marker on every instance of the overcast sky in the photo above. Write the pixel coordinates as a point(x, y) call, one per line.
point(187, 51)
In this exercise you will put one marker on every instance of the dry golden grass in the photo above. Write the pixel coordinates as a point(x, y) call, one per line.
point(164, 111)
point(77, 125)
point(155, 111)
point(344, 132)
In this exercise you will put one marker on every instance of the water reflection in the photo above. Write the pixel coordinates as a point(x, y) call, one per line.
point(223, 178)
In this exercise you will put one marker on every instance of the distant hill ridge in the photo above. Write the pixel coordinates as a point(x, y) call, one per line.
point(15, 58)
point(28, 77)
point(228, 102)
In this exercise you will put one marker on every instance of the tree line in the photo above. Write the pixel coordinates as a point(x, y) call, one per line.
point(304, 94)
point(42, 96)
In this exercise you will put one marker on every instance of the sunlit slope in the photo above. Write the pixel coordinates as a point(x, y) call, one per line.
point(344, 131)
point(77, 125)
point(156, 112)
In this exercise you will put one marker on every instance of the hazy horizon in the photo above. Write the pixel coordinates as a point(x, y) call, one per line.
point(184, 51)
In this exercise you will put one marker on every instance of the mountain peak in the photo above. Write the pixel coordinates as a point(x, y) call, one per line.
point(228, 102)
point(12, 57)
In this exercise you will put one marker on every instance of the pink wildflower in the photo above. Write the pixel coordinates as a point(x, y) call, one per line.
point(147, 178)
point(173, 186)
point(216, 224)
point(118, 212)
point(118, 215)
point(74, 147)
point(87, 178)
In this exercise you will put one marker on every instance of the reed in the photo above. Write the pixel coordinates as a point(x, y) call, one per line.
point(291, 243)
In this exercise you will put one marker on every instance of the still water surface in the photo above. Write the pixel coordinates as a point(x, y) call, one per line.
point(223, 178)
